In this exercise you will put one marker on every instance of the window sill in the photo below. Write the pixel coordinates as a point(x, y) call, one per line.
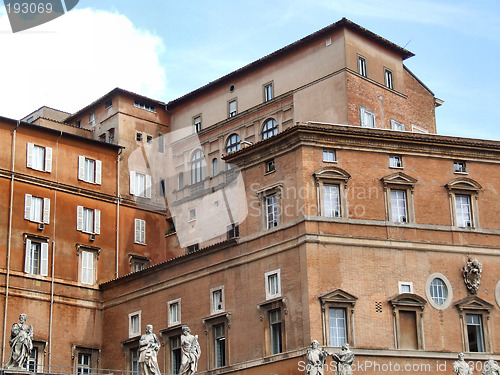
point(270, 172)
point(395, 167)
point(462, 173)
point(140, 243)
point(330, 162)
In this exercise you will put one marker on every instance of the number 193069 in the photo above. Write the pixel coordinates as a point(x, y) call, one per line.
point(29, 8)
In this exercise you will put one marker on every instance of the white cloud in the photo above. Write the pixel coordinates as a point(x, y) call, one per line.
point(71, 61)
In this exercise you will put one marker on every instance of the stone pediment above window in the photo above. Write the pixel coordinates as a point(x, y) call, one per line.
point(338, 296)
point(473, 303)
point(463, 184)
point(331, 173)
point(399, 179)
point(408, 300)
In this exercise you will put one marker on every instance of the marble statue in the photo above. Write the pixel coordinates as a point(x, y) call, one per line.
point(316, 359)
point(461, 367)
point(190, 349)
point(148, 352)
point(491, 367)
point(472, 275)
point(344, 359)
point(21, 343)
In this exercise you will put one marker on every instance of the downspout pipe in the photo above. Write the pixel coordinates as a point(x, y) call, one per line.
point(9, 237)
point(118, 212)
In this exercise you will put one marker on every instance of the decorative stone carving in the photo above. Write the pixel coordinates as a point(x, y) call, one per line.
point(191, 352)
point(316, 359)
point(21, 343)
point(344, 359)
point(461, 367)
point(148, 353)
point(491, 367)
point(472, 275)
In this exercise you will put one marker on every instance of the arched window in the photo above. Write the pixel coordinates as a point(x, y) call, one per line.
point(233, 143)
point(270, 128)
point(215, 166)
point(197, 166)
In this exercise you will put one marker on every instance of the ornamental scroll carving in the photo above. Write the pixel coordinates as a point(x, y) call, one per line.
point(472, 275)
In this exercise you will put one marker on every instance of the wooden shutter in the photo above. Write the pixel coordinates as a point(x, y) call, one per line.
point(81, 167)
point(79, 218)
point(29, 155)
point(48, 159)
point(87, 267)
point(44, 259)
point(46, 211)
point(143, 231)
point(137, 231)
point(148, 186)
point(27, 206)
point(27, 258)
point(98, 172)
point(97, 221)
point(132, 182)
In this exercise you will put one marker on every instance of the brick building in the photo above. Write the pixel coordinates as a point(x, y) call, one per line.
point(312, 199)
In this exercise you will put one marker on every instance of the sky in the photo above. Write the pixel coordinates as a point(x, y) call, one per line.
point(164, 48)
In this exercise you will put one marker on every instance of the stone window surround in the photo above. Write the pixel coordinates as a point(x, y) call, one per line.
point(209, 324)
point(464, 186)
point(478, 306)
point(449, 298)
point(399, 181)
point(338, 299)
point(264, 309)
point(336, 176)
point(409, 302)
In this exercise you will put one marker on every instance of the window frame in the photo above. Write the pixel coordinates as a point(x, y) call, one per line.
point(32, 158)
point(388, 78)
point(214, 309)
point(87, 251)
point(81, 223)
point(267, 131)
point(364, 112)
point(331, 175)
point(327, 153)
point(428, 292)
point(131, 318)
point(362, 66)
point(198, 166)
point(473, 305)
point(137, 188)
point(139, 231)
point(268, 91)
point(338, 299)
point(394, 160)
point(460, 167)
point(408, 302)
point(197, 123)
point(210, 323)
point(401, 284)
point(29, 209)
point(463, 186)
point(265, 309)
point(278, 291)
point(84, 173)
point(233, 143)
point(399, 181)
point(170, 318)
point(230, 112)
point(42, 267)
point(397, 126)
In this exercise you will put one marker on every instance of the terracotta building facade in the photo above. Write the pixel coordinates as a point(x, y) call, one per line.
point(306, 196)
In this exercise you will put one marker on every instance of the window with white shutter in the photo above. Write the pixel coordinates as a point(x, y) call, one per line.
point(36, 260)
point(87, 267)
point(89, 170)
point(140, 231)
point(37, 209)
point(88, 220)
point(38, 157)
point(140, 184)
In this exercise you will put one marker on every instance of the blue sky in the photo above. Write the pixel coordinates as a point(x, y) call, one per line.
point(165, 48)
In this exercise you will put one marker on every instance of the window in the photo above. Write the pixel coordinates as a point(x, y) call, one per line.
point(134, 361)
point(331, 200)
point(217, 300)
point(88, 256)
point(143, 105)
point(438, 291)
point(232, 108)
point(192, 214)
point(134, 324)
point(88, 220)
point(399, 206)
point(395, 125)
point(329, 156)
point(270, 166)
point(475, 333)
point(273, 284)
point(463, 193)
point(140, 184)
point(367, 118)
point(197, 124)
point(362, 66)
point(460, 167)
point(102, 137)
point(268, 92)
point(92, 118)
point(215, 167)
point(388, 79)
point(174, 312)
point(149, 139)
point(111, 135)
point(108, 104)
point(233, 231)
point(405, 287)
point(36, 260)
point(269, 128)
point(198, 166)
point(89, 170)
point(398, 189)
point(395, 161)
point(337, 326)
point(275, 331)
point(78, 123)
point(408, 315)
point(193, 248)
point(219, 345)
point(175, 354)
point(30, 120)
point(138, 262)
point(138, 137)
point(163, 188)
point(36, 209)
point(161, 143)
point(181, 180)
point(140, 231)
point(272, 214)
point(84, 364)
point(38, 157)
point(32, 362)
point(233, 143)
